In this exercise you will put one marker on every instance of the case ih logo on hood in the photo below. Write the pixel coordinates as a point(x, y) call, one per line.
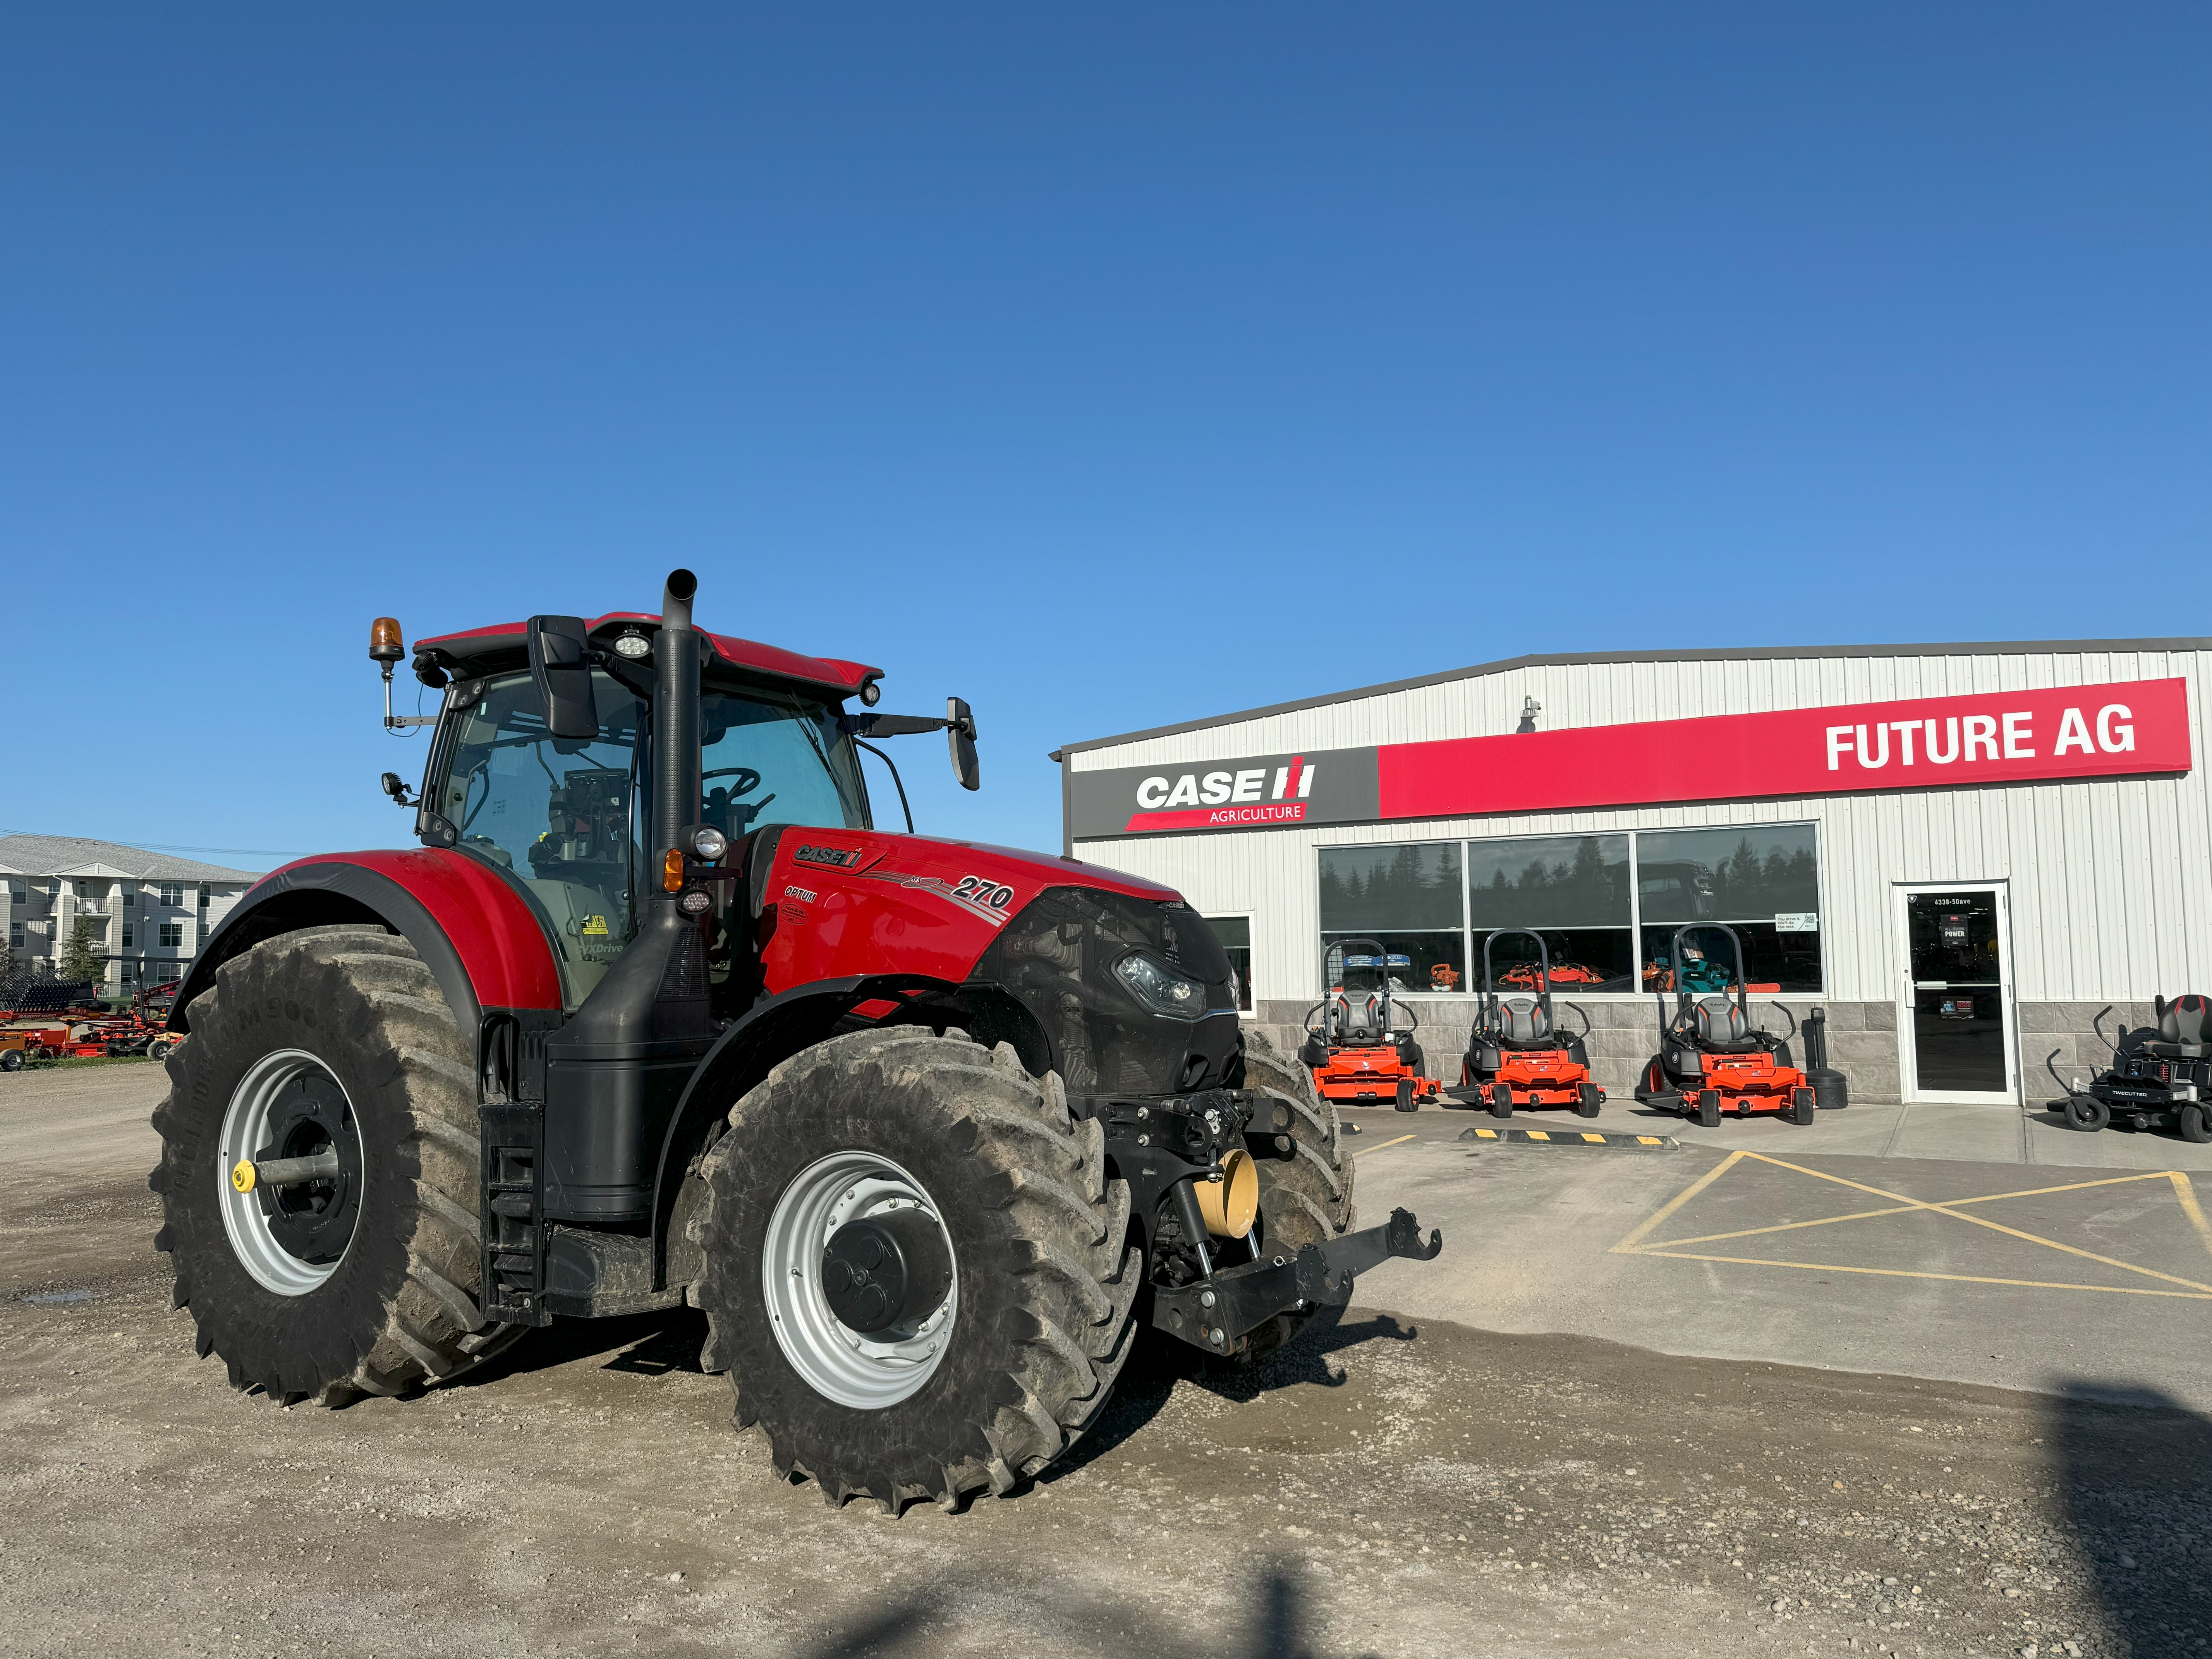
point(837, 858)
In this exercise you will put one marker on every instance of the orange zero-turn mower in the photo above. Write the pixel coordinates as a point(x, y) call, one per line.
point(1516, 1056)
point(1359, 1042)
point(1711, 1058)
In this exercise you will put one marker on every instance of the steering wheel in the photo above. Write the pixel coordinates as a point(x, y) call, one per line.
point(747, 778)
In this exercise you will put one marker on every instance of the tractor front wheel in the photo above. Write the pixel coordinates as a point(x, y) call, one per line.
point(1305, 1193)
point(914, 1267)
point(331, 1044)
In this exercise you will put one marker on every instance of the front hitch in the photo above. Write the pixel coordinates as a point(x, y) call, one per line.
point(1218, 1313)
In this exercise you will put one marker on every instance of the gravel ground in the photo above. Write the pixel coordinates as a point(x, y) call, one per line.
point(1378, 1489)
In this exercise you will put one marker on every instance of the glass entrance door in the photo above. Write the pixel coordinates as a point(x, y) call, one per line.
point(1958, 1039)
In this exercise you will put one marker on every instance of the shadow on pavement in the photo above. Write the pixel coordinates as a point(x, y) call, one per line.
point(1272, 1620)
point(2133, 1468)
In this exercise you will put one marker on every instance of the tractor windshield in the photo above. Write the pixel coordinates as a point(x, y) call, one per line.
point(568, 817)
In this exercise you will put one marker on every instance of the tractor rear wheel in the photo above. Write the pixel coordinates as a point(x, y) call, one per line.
point(330, 1039)
point(914, 1267)
point(1306, 1197)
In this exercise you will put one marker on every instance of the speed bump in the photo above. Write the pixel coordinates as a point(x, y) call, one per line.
point(1574, 1138)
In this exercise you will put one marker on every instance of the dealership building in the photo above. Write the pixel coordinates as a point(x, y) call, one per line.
point(1960, 853)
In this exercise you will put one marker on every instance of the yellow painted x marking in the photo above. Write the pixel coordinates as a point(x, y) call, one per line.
point(2185, 1195)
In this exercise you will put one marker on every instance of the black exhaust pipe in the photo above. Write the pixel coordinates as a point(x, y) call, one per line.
point(675, 721)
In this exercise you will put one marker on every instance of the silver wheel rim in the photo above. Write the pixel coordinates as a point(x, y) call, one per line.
point(245, 1132)
point(837, 1362)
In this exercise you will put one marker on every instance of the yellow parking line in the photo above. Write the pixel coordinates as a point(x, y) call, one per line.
point(1902, 1209)
point(2190, 1207)
point(1995, 1227)
point(1627, 1245)
point(1964, 1278)
point(1384, 1147)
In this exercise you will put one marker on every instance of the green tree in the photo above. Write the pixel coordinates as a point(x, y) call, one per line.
point(81, 956)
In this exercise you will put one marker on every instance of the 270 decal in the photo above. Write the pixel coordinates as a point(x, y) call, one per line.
point(982, 889)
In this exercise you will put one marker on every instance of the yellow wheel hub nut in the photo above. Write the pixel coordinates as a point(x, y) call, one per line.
point(242, 1176)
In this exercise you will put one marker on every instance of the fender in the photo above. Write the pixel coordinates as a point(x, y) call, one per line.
point(778, 1027)
point(479, 938)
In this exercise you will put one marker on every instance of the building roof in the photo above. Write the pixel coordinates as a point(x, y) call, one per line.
point(1576, 659)
point(76, 855)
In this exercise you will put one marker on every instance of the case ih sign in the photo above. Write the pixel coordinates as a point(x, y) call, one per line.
point(2133, 726)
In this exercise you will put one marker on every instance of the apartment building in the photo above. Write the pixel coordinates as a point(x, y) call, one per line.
point(150, 911)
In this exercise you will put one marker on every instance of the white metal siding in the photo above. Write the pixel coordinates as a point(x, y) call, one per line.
point(2108, 878)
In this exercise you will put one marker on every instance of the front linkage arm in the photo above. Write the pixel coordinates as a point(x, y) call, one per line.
point(1220, 1312)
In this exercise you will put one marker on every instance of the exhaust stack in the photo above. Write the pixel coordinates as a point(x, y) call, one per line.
point(675, 718)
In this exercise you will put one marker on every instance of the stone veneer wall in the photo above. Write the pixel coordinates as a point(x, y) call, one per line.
point(1861, 1037)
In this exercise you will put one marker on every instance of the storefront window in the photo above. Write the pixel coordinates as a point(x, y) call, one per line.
point(1235, 933)
point(1572, 889)
point(1405, 897)
point(1763, 880)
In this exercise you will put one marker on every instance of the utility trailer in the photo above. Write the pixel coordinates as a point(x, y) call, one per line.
point(653, 1014)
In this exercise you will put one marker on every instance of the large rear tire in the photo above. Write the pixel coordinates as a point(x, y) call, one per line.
point(364, 1285)
point(978, 1389)
point(1305, 1198)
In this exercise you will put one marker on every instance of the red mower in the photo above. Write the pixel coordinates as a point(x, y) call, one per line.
point(1711, 1058)
point(1359, 1042)
point(1515, 1054)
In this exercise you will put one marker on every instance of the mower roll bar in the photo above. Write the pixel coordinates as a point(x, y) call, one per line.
point(1682, 999)
point(1490, 1008)
point(1344, 946)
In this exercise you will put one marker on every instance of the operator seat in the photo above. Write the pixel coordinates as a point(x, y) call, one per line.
point(2182, 1032)
point(1361, 1018)
point(1718, 1023)
point(1522, 1023)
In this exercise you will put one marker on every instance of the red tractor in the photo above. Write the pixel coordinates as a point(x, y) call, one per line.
point(1359, 1041)
point(654, 1015)
point(1516, 1056)
point(1712, 1060)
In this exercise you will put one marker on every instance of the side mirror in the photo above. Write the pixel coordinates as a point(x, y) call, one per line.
point(561, 668)
point(960, 734)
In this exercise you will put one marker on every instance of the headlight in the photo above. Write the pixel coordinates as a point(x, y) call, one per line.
point(1159, 988)
point(709, 843)
point(634, 645)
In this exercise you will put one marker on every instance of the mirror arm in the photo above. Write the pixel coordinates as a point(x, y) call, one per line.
point(898, 783)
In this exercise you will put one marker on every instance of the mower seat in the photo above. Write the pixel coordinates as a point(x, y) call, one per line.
point(1360, 1019)
point(1718, 1025)
point(2182, 1030)
point(1522, 1023)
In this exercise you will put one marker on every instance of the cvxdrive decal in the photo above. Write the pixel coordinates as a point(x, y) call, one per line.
point(977, 894)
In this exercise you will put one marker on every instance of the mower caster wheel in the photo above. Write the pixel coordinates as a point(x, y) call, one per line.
point(1589, 1100)
point(1709, 1109)
point(1501, 1101)
point(2087, 1113)
point(2194, 1123)
point(1802, 1107)
point(11, 1060)
point(1405, 1102)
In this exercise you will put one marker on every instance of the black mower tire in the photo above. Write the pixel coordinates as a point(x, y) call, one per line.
point(399, 1308)
point(1501, 1101)
point(1709, 1109)
point(11, 1060)
point(1305, 1197)
point(1588, 1100)
point(1048, 1271)
point(2086, 1114)
point(1802, 1107)
point(1404, 1101)
point(2193, 1123)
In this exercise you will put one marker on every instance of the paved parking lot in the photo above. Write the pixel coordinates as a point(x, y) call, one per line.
point(1573, 1434)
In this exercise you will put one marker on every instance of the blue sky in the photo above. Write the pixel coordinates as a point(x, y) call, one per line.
point(1106, 366)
